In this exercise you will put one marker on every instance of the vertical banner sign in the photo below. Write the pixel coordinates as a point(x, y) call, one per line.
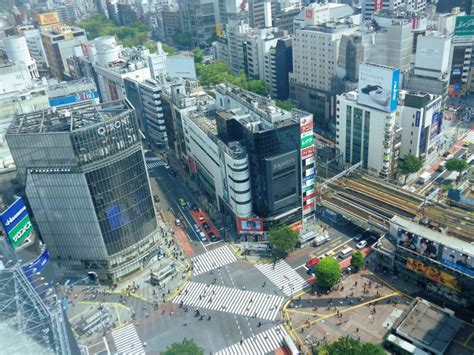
point(308, 168)
point(16, 222)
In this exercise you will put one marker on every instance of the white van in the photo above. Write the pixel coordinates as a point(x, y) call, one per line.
point(345, 253)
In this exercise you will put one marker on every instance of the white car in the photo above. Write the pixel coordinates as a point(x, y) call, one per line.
point(203, 237)
point(166, 166)
point(361, 244)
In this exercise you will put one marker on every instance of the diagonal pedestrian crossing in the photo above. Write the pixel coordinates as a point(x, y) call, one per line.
point(283, 276)
point(260, 344)
point(155, 164)
point(127, 341)
point(230, 300)
point(212, 260)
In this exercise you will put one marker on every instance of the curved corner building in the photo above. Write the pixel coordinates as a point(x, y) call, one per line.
point(86, 181)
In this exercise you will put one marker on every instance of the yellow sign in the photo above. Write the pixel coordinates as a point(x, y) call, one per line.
point(47, 18)
point(433, 274)
point(218, 30)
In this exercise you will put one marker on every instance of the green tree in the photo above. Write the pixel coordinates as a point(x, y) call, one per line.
point(257, 86)
point(348, 345)
point(357, 261)
point(169, 49)
point(409, 165)
point(283, 238)
point(186, 347)
point(456, 165)
point(287, 105)
point(182, 40)
point(327, 272)
point(198, 55)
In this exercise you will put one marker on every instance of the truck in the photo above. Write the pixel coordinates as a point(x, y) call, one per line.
point(424, 178)
point(321, 239)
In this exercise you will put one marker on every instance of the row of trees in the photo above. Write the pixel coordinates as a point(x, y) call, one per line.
point(411, 164)
point(130, 36)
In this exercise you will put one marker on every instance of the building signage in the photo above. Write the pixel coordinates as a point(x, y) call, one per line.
point(36, 265)
point(378, 86)
point(378, 4)
point(250, 225)
point(309, 13)
point(433, 274)
point(306, 124)
point(464, 26)
point(417, 119)
point(47, 18)
point(307, 141)
point(16, 223)
point(79, 97)
point(112, 126)
point(307, 152)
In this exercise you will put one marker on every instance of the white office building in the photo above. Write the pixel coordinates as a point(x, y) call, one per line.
point(368, 135)
point(371, 7)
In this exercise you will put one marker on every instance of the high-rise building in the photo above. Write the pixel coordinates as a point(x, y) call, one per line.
point(199, 19)
point(145, 96)
point(126, 14)
point(35, 47)
point(59, 41)
point(461, 81)
point(261, 12)
point(371, 7)
point(171, 21)
point(70, 92)
point(85, 178)
point(278, 65)
point(315, 58)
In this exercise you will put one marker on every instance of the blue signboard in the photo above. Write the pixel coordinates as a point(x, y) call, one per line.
point(65, 100)
point(36, 265)
point(417, 119)
point(395, 86)
point(14, 215)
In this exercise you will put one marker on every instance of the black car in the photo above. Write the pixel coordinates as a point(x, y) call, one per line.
point(212, 237)
point(195, 208)
point(206, 226)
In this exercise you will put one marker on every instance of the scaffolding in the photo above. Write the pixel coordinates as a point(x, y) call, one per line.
point(34, 309)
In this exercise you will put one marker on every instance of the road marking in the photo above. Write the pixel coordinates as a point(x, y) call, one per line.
point(155, 164)
point(230, 300)
point(260, 344)
point(337, 247)
point(283, 276)
point(127, 341)
point(212, 260)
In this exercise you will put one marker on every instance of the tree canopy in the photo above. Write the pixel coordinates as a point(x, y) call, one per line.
point(182, 40)
point(456, 165)
point(409, 165)
point(348, 345)
point(169, 49)
point(219, 72)
point(198, 55)
point(357, 261)
point(186, 347)
point(287, 105)
point(283, 238)
point(327, 272)
point(130, 36)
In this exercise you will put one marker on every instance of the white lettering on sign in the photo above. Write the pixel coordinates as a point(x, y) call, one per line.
point(102, 130)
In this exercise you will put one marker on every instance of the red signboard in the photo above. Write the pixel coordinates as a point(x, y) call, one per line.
point(307, 152)
point(306, 198)
point(309, 205)
point(309, 13)
point(306, 124)
point(378, 5)
point(250, 225)
point(192, 166)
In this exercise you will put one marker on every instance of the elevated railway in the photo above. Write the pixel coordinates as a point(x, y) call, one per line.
point(372, 202)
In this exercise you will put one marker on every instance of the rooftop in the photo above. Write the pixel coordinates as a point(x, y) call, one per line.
point(429, 326)
point(68, 118)
point(71, 87)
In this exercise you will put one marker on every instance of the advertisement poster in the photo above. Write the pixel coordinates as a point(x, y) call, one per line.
point(457, 260)
point(464, 26)
point(436, 123)
point(16, 222)
point(421, 246)
point(250, 225)
point(378, 86)
point(433, 274)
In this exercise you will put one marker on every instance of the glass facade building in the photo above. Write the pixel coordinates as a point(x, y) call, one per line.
point(86, 181)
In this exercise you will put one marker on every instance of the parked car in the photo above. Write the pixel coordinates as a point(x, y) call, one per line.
point(196, 227)
point(202, 236)
point(178, 222)
point(201, 218)
point(361, 244)
point(212, 237)
point(206, 226)
point(195, 208)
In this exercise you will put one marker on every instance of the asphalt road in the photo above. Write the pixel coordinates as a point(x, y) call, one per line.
point(174, 189)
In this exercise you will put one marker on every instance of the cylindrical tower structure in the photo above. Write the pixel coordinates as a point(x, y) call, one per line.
point(107, 50)
point(17, 51)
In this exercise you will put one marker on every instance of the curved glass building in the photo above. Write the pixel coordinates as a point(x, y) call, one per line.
point(86, 181)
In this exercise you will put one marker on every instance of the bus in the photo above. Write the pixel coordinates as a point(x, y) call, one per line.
point(401, 347)
point(345, 253)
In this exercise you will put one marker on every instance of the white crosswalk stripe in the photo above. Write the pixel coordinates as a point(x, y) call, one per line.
point(283, 276)
point(230, 300)
point(155, 164)
point(260, 344)
point(212, 260)
point(127, 341)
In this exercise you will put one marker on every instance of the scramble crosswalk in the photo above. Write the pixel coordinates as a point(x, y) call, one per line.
point(260, 344)
point(127, 341)
point(283, 276)
point(212, 260)
point(230, 300)
point(155, 164)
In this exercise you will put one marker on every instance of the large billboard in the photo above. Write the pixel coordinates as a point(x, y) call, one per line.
point(417, 244)
point(378, 86)
point(250, 225)
point(78, 97)
point(16, 223)
point(181, 66)
point(464, 26)
point(457, 260)
point(47, 18)
point(308, 168)
point(433, 274)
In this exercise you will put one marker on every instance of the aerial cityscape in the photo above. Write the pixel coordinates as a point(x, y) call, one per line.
point(226, 177)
